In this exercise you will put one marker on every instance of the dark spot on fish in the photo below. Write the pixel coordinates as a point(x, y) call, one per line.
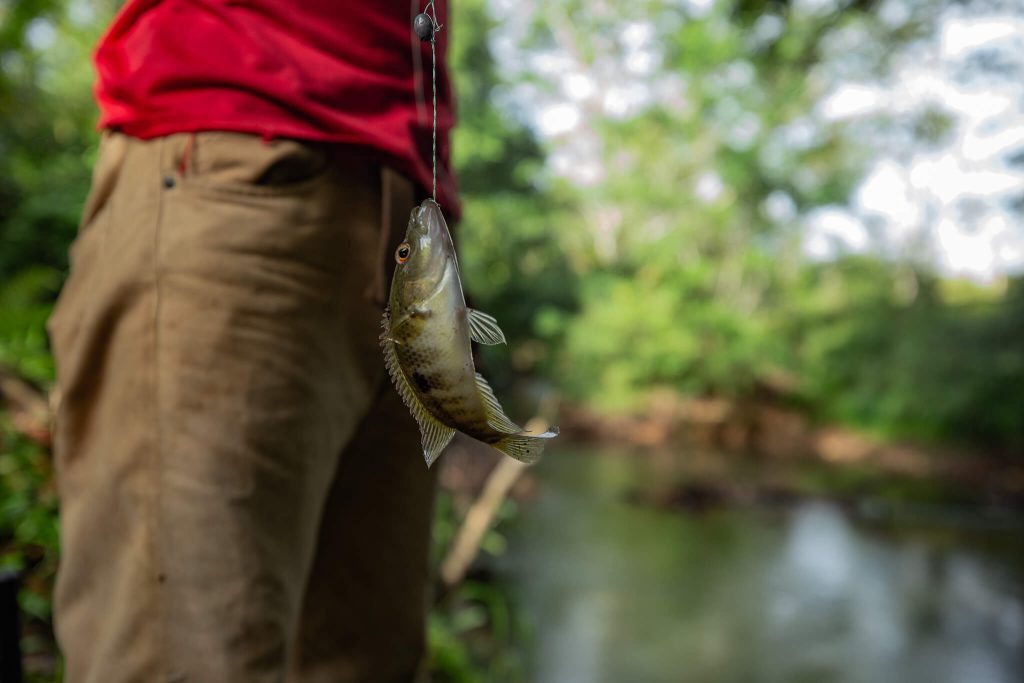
point(422, 382)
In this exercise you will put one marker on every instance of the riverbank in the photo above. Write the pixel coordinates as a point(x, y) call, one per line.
point(765, 428)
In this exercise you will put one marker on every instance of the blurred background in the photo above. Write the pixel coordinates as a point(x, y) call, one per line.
point(762, 262)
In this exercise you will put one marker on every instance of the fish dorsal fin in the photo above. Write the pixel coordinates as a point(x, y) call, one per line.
point(525, 447)
point(496, 417)
point(434, 435)
point(483, 328)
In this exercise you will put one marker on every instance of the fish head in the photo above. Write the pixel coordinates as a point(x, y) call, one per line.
point(423, 256)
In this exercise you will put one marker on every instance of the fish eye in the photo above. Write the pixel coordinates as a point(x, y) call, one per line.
point(402, 253)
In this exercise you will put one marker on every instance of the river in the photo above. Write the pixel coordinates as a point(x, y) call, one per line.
point(611, 590)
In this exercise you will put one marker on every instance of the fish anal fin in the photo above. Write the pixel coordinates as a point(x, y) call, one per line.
point(434, 435)
point(496, 417)
point(483, 328)
point(525, 447)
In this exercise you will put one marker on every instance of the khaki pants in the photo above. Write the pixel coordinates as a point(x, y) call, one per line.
point(243, 497)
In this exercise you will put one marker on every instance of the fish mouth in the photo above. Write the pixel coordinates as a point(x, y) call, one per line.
point(432, 209)
point(425, 222)
point(430, 220)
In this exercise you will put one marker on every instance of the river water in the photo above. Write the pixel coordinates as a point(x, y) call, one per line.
point(607, 589)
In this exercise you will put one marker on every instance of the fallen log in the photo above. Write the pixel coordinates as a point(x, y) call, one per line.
point(478, 520)
point(28, 407)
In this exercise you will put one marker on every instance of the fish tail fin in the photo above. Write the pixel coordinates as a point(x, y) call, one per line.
point(525, 447)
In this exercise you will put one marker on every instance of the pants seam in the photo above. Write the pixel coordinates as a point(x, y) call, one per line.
point(156, 518)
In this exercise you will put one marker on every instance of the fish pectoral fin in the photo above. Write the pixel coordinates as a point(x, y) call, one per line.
point(434, 435)
point(525, 447)
point(496, 417)
point(483, 328)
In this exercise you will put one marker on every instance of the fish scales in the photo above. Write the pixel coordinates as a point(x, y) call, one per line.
point(427, 346)
point(434, 354)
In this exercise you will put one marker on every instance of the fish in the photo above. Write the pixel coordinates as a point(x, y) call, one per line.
point(426, 339)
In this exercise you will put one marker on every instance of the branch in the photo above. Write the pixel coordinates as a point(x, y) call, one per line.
point(28, 407)
point(481, 513)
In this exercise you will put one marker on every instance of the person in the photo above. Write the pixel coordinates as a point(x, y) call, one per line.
point(243, 496)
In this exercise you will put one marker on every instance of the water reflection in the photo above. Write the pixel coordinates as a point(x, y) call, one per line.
point(614, 592)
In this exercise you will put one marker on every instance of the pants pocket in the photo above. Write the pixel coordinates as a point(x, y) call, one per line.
point(241, 164)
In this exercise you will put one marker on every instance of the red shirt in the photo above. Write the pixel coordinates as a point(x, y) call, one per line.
point(345, 71)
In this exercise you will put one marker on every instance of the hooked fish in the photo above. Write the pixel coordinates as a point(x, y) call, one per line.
point(426, 342)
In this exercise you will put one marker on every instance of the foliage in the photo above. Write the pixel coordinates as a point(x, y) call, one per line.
point(26, 301)
point(471, 631)
point(658, 245)
point(28, 500)
point(28, 531)
point(47, 117)
point(676, 261)
point(926, 367)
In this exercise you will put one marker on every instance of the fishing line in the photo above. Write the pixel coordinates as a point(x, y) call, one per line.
point(426, 27)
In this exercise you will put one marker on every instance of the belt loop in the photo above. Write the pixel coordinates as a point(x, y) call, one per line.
point(185, 162)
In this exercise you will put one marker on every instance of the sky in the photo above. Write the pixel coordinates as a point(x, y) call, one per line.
point(955, 203)
point(951, 204)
